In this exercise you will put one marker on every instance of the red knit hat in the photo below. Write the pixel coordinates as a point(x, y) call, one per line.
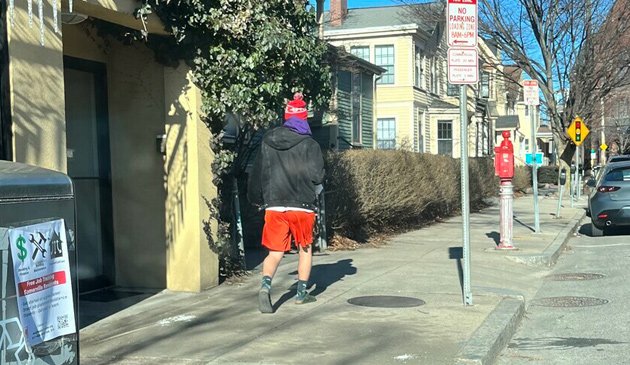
point(296, 107)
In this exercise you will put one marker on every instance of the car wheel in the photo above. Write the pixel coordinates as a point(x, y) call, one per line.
point(595, 231)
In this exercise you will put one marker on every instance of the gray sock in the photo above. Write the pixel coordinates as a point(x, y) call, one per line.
point(266, 282)
point(301, 288)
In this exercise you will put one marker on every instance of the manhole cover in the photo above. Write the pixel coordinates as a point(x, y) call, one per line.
point(570, 302)
point(386, 301)
point(574, 276)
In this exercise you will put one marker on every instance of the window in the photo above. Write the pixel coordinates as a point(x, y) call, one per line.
point(356, 108)
point(511, 110)
point(362, 52)
point(445, 137)
point(620, 174)
point(386, 134)
point(419, 68)
point(433, 77)
point(384, 57)
point(418, 128)
point(452, 90)
point(485, 84)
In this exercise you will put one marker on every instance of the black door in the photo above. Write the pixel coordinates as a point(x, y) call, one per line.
point(88, 153)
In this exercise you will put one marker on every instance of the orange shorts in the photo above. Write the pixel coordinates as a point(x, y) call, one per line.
point(281, 226)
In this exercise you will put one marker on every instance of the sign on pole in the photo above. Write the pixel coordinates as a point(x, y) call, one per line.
point(462, 23)
point(539, 158)
point(530, 92)
point(603, 146)
point(463, 66)
point(41, 269)
point(578, 131)
point(463, 69)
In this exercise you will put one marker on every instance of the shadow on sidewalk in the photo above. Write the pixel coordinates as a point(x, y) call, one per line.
point(524, 224)
point(322, 276)
point(496, 236)
point(457, 253)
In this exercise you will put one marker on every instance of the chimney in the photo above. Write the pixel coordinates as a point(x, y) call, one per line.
point(338, 11)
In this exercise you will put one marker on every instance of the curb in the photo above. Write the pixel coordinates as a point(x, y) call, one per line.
point(484, 346)
point(487, 342)
point(550, 255)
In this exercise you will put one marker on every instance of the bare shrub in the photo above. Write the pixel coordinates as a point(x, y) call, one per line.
point(375, 191)
point(522, 178)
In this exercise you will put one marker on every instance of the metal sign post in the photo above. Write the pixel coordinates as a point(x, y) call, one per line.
point(534, 171)
point(532, 99)
point(577, 174)
point(463, 122)
point(463, 69)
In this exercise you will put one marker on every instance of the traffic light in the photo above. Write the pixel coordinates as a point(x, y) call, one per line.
point(578, 131)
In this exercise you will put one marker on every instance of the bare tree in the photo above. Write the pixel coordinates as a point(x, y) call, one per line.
point(601, 72)
point(566, 45)
point(617, 127)
point(557, 43)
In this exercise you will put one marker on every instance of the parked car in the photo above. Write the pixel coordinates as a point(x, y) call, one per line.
point(609, 201)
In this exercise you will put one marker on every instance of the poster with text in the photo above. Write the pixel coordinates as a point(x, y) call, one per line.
point(42, 280)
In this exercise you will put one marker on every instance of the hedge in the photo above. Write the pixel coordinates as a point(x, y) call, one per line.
point(377, 191)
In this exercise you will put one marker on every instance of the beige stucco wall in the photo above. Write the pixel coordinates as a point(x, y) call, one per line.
point(159, 206)
point(191, 265)
point(37, 91)
point(82, 43)
point(136, 117)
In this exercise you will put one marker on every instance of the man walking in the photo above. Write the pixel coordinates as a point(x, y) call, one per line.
point(287, 174)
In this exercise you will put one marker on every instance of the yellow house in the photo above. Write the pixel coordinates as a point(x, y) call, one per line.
point(416, 107)
point(518, 121)
point(126, 129)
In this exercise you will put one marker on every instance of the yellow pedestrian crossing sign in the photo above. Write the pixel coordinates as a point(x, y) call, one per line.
point(578, 131)
point(604, 146)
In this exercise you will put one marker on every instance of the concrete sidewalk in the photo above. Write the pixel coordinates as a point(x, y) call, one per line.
point(428, 325)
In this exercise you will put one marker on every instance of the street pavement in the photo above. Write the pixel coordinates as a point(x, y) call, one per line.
point(580, 314)
point(412, 287)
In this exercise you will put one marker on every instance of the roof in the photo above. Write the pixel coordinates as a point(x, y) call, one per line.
point(440, 104)
point(348, 60)
point(507, 122)
point(544, 129)
point(491, 44)
point(387, 16)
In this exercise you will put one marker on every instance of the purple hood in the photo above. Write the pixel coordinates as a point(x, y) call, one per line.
point(299, 126)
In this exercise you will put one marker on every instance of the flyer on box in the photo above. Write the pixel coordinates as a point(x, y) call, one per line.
point(43, 285)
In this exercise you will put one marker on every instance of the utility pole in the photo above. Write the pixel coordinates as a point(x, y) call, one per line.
point(602, 137)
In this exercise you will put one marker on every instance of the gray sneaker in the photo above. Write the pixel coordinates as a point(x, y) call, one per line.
point(307, 298)
point(264, 301)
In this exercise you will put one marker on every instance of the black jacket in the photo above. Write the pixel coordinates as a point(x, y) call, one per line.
point(286, 170)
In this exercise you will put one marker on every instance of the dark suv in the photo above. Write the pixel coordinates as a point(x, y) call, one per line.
point(609, 201)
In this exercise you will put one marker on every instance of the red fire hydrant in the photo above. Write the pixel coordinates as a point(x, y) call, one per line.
point(504, 169)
